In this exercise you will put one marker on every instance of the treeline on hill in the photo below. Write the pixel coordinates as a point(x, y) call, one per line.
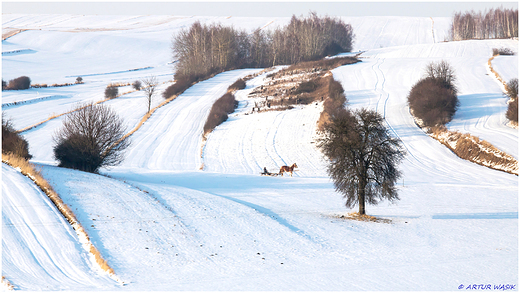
point(497, 23)
point(204, 50)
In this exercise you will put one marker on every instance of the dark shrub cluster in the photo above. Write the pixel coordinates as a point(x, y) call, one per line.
point(336, 102)
point(137, 85)
point(12, 142)
point(219, 112)
point(502, 51)
point(182, 83)
point(111, 92)
point(512, 93)
point(306, 87)
point(4, 85)
point(240, 84)
point(19, 83)
point(432, 102)
point(334, 105)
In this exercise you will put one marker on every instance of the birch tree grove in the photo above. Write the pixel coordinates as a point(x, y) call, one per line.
point(202, 50)
point(494, 24)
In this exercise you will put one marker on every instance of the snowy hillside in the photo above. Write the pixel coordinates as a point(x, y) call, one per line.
point(162, 223)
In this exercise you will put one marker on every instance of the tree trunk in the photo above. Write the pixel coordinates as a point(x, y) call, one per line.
point(361, 196)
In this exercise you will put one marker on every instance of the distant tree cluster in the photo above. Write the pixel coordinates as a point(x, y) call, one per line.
point(497, 23)
point(19, 83)
point(203, 50)
point(433, 99)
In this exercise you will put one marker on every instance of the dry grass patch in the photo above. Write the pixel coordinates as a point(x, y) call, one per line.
point(7, 284)
point(363, 218)
point(475, 150)
point(497, 76)
point(300, 84)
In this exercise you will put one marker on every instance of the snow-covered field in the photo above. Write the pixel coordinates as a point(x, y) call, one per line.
point(164, 224)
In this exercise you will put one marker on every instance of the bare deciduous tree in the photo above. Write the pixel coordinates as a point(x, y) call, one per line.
point(363, 157)
point(443, 72)
point(150, 84)
point(90, 138)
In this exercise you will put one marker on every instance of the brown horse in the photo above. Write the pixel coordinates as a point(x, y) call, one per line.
point(287, 169)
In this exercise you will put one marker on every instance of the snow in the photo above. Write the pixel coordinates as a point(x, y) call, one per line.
point(40, 248)
point(506, 66)
point(164, 224)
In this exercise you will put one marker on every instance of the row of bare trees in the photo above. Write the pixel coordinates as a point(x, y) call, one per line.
point(497, 23)
point(204, 49)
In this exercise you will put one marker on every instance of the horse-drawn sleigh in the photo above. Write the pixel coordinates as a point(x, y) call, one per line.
point(283, 169)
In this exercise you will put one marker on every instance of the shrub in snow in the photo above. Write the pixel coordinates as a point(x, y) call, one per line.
point(182, 83)
point(219, 111)
point(433, 99)
point(240, 84)
point(111, 91)
point(502, 51)
point(306, 87)
point(12, 142)
point(90, 138)
point(79, 79)
point(4, 85)
point(512, 93)
point(136, 85)
point(20, 83)
point(363, 157)
point(334, 105)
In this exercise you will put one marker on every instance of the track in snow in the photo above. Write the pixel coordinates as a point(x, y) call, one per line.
point(39, 246)
point(172, 138)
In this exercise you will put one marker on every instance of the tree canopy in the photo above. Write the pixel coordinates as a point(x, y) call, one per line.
point(363, 157)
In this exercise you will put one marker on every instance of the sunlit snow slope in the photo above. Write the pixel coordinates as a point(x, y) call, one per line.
point(40, 250)
point(163, 224)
